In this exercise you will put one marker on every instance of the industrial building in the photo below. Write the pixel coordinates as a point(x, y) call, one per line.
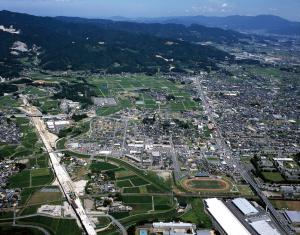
point(245, 206)
point(293, 217)
point(173, 228)
point(263, 227)
point(56, 125)
point(168, 228)
point(225, 220)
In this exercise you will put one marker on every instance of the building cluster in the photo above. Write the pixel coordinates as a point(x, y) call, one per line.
point(288, 167)
point(260, 119)
point(151, 140)
point(55, 125)
point(110, 205)
point(170, 228)
point(104, 102)
point(9, 198)
point(7, 169)
point(9, 131)
point(101, 183)
point(69, 106)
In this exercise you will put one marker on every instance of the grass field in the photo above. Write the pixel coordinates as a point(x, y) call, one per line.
point(197, 215)
point(207, 184)
point(8, 229)
point(138, 181)
point(123, 183)
point(288, 205)
point(42, 176)
point(124, 174)
point(102, 166)
point(272, 176)
point(55, 226)
point(20, 180)
point(33, 198)
point(7, 102)
point(131, 190)
point(44, 197)
point(48, 105)
point(245, 190)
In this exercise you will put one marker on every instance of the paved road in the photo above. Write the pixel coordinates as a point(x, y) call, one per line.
point(177, 172)
point(63, 177)
point(28, 226)
point(114, 221)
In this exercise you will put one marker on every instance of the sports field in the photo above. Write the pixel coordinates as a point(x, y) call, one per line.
point(206, 184)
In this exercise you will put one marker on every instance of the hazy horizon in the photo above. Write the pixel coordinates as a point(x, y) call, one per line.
point(288, 9)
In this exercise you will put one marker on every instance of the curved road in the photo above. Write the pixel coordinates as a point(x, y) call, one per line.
point(114, 221)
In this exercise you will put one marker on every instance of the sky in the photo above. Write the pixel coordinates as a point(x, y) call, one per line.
point(289, 9)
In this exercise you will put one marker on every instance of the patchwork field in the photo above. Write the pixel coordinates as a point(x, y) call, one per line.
point(142, 92)
point(125, 179)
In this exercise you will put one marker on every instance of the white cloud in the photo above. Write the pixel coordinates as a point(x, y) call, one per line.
point(224, 5)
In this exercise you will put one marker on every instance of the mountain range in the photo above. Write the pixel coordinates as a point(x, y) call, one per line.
point(263, 24)
point(81, 44)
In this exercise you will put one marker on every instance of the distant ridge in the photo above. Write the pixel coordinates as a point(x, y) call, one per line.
point(268, 24)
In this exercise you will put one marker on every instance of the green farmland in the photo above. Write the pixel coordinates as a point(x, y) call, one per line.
point(142, 89)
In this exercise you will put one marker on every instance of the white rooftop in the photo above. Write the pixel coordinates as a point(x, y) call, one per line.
point(245, 206)
point(225, 218)
point(294, 216)
point(262, 227)
point(172, 225)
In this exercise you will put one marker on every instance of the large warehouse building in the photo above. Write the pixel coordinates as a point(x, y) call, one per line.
point(245, 206)
point(226, 220)
point(262, 227)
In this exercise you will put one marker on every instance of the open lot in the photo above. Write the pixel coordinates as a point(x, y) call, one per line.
point(286, 204)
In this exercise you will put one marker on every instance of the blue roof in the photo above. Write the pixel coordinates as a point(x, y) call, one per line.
point(294, 216)
point(143, 232)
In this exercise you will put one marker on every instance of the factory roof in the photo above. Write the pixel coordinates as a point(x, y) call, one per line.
point(172, 225)
point(262, 227)
point(225, 218)
point(245, 206)
point(293, 216)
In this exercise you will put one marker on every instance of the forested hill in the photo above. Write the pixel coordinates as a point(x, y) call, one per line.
point(58, 45)
point(193, 33)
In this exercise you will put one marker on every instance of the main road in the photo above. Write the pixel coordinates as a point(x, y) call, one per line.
point(244, 172)
point(62, 175)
